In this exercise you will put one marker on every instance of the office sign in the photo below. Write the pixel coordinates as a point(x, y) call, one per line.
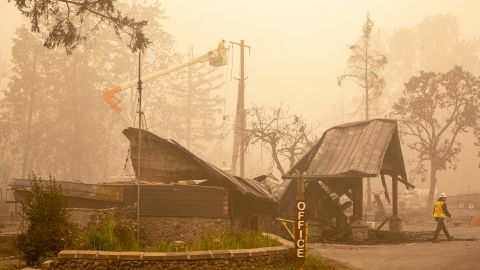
point(300, 229)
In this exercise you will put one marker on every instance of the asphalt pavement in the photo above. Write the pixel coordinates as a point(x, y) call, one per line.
point(448, 255)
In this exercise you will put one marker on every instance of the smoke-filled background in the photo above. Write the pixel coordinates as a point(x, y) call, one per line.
point(54, 121)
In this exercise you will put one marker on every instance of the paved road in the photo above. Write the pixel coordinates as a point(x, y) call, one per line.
point(455, 255)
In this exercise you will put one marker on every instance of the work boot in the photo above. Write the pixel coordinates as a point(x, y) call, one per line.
point(449, 238)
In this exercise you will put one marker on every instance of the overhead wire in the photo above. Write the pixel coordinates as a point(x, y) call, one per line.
point(224, 116)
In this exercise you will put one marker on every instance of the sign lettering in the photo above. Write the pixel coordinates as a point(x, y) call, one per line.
point(300, 229)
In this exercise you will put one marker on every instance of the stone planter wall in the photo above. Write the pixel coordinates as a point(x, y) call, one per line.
point(187, 229)
point(156, 229)
point(259, 258)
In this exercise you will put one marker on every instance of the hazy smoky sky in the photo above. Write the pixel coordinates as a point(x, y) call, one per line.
point(298, 47)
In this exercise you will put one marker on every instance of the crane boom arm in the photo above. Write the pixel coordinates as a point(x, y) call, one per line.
point(217, 57)
point(163, 72)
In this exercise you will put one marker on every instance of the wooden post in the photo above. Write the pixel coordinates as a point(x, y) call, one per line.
point(395, 196)
point(140, 114)
point(395, 223)
point(358, 199)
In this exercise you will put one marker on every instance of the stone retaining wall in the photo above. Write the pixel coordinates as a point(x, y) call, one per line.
point(187, 229)
point(156, 229)
point(243, 259)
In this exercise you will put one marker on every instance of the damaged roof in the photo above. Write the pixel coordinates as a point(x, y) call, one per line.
point(164, 160)
point(98, 192)
point(358, 149)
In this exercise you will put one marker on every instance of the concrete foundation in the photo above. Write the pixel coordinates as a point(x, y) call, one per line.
point(395, 224)
point(359, 232)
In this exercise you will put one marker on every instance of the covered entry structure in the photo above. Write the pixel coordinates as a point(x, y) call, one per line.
point(334, 169)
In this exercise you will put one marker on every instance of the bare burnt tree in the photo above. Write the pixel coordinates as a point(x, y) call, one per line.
point(434, 110)
point(65, 21)
point(364, 67)
point(287, 136)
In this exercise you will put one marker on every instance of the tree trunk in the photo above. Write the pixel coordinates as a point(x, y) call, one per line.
point(292, 158)
point(27, 142)
point(433, 183)
point(276, 160)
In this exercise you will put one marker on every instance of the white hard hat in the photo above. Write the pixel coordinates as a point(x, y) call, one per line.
point(443, 195)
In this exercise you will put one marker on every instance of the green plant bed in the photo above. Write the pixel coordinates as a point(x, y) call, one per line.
point(8, 246)
point(114, 234)
point(119, 234)
point(108, 241)
point(229, 240)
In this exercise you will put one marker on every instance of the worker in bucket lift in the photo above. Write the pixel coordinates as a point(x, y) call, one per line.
point(222, 52)
point(440, 212)
point(219, 57)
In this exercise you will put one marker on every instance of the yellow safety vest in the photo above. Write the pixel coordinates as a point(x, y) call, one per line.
point(438, 210)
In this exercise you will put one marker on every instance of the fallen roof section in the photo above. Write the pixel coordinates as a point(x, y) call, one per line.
point(98, 192)
point(165, 160)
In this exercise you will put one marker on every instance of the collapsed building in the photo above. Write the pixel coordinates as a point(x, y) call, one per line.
point(233, 202)
point(182, 197)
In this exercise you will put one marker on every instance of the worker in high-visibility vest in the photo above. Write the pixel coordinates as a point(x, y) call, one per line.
point(440, 212)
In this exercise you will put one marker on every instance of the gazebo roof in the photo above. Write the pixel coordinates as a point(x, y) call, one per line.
point(358, 149)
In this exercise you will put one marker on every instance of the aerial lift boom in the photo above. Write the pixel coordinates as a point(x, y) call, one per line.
point(216, 58)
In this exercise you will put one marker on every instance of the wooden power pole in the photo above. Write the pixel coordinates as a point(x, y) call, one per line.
point(140, 116)
point(239, 139)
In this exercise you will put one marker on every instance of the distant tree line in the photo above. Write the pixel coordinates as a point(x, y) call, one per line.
point(432, 88)
point(54, 121)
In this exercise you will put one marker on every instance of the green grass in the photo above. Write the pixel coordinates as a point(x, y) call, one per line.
point(8, 246)
point(106, 237)
point(235, 240)
point(119, 234)
point(114, 235)
point(230, 240)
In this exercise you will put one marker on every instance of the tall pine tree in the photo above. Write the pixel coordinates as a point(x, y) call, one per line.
point(56, 122)
point(194, 107)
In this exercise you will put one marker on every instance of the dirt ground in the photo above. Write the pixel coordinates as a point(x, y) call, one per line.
point(458, 255)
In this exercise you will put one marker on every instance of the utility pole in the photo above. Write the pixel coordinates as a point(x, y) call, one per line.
point(239, 139)
point(189, 101)
point(140, 116)
point(369, 193)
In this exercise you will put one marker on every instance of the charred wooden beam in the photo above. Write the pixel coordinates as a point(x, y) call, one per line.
point(358, 199)
point(385, 188)
point(395, 195)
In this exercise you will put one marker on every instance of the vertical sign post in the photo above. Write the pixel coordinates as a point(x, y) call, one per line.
point(300, 230)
